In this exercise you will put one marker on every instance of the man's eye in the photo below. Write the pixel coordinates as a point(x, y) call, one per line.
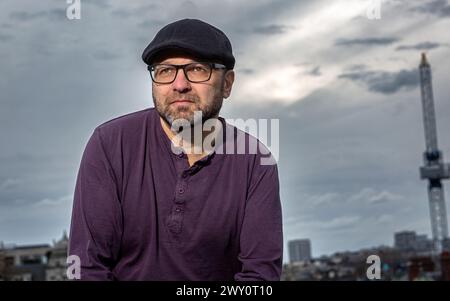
point(164, 70)
point(198, 68)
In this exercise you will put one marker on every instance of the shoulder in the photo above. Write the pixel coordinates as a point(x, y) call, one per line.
point(126, 130)
point(127, 122)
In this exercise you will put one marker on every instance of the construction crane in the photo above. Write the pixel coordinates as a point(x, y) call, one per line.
point(434, 170)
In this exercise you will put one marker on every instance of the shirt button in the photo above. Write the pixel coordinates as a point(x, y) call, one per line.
point(181, 190)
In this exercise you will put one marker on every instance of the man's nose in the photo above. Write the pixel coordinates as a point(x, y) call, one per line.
point(181, 83)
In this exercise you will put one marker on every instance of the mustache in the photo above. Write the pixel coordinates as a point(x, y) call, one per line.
point(187, 97)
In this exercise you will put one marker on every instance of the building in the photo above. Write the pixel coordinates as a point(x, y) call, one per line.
point(25, 263)
point(57, 257)
point(423, 244)
point(299, 250)
point(34, 262)
point(405, 240)
point(409, 241)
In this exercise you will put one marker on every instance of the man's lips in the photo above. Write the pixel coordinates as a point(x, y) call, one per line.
point(182, 101)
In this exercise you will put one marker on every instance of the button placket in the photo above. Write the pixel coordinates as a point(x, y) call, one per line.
point(177, 213)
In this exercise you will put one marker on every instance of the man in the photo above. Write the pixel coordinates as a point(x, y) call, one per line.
point(148, 207)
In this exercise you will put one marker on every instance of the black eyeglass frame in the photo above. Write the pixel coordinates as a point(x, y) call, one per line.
point(212, 66)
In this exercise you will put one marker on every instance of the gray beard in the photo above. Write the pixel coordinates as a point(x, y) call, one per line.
point(211, 111)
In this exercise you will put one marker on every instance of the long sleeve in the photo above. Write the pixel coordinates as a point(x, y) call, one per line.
point(261, 238)
point(97, 225)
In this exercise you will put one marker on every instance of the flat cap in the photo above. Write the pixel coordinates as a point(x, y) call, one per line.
point(194, 37)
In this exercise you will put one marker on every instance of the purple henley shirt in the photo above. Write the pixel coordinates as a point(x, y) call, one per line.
point(141, 213)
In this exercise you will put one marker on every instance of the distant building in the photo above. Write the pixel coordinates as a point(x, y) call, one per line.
point(34, 262)
point(409, 241)
point(57, 256)
point(446, 244)
point(299, 250)
point(423, 244)
point(405, 240)
point(26, 263)
point(2, 263)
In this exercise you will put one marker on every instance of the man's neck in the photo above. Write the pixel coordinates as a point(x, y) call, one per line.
point(188, 146)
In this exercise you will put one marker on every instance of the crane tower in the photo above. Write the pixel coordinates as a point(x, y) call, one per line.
point(434, 170)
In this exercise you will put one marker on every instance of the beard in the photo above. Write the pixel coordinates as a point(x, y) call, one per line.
point(171, 113)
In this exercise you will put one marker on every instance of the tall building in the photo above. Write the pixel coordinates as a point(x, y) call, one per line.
point(299, 250)
point(405, 240)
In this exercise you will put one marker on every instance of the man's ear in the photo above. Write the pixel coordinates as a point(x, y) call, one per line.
point(228, 83)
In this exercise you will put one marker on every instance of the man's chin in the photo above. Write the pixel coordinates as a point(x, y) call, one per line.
point(180, 118)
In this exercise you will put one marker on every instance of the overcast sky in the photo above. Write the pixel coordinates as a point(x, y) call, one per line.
point(345, 89)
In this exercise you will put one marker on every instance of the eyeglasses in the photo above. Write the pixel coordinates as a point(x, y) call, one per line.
point(194, 72)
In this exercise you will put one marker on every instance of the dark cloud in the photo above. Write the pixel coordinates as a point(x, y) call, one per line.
point(419, 46)
point(356, 67)
point(135, 12)
point(271, 29)
point(5, 37)
point(437, 7)
point(152, 24)
point(247, 71)
point(105, 55)
point(365, 42)
point(26, 16)
point(104, 4)
point(52, 14)
point(384, 82)
point(315, 71)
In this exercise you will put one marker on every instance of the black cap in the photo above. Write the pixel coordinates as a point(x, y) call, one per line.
point(194, 37)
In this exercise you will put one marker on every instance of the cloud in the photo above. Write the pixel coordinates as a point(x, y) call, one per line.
point(322, 199)
point(384, 82)
point(5, 37)
point(272, 29)
point(419, 46)
point(340, 222)
point(135, 12)
point(365, 42)
point(246, 71)
point(105, 55)
point(8, 183)
point(371, 196)
point(52, 14)
point(385, 218)
point(437, 7)
point(314, 71)
point(6, 25)
point(64, 200)
point(104, 4)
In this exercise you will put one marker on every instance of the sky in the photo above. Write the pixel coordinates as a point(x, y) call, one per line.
point(344, 87)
